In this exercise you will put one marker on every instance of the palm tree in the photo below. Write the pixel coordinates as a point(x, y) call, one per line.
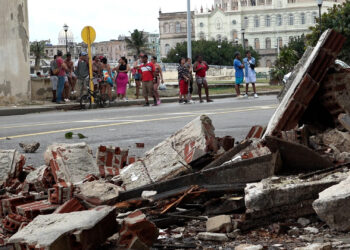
point(137, 42)
point(38, 50)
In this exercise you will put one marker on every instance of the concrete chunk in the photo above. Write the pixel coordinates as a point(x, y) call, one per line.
point(249, 247)
point(221, 223)
point(97, 193)
point(11, 164)
point(275, 192)
point(333, 204)
point(86, 229)
point(212, 236)
point(70, 162)
point(316, 246)
point(171, 157)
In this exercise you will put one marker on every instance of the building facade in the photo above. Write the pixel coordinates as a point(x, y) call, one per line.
point(113, 50)
point(265, 24)
point(173, 30)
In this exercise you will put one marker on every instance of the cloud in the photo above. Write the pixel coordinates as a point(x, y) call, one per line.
point(110, 18)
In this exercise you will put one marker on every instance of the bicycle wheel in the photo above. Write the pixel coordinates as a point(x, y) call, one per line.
point(85, 102)
point(104, 101)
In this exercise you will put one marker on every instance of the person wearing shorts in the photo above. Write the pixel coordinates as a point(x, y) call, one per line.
point(239, 75)
point(188, 65)
point(201, 67)
point(148, 76)
point(184, 77)
point(250, 74)
point(137, 73)
point(53, 78)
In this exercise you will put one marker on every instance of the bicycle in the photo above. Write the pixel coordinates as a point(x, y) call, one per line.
point(101, 100)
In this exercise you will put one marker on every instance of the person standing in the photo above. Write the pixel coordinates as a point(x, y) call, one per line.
point(96, 71)
point(239, 75)
point(61, 76)
point(122, 78)
point(82, 72)
point(157, 80)
point(53, 77)
point(184, 77)
point(148, 75)
point(107, 82)
point(188, 65)
point(250, 74)
point(72, 79)
point(137, 74)
point(201, 67)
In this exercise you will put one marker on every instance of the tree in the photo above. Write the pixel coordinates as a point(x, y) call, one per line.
point(137, 42)
point(288, 58)
point(37, 48)
point(337, 18)
point(214, 52)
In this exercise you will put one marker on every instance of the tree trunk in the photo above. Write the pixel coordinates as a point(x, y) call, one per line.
point(37, 63)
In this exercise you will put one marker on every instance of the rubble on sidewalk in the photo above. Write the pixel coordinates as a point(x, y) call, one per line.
point(171, 157)
point(30, 147)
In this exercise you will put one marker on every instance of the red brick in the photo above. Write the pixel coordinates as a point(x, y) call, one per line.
point(73, 205)
point(31, 210)
point(60, 193)
point(12, 222)
point(9, 205)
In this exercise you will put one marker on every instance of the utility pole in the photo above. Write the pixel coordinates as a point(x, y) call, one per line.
point(189, 30)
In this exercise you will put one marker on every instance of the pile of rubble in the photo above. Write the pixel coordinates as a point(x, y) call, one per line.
point(285, 186)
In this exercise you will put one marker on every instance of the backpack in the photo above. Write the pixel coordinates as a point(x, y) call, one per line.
point(55, 70)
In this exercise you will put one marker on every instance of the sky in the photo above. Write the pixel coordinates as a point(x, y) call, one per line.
point(110, 18)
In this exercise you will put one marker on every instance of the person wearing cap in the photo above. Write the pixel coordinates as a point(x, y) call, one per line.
point(239, 75)
point(82, 72)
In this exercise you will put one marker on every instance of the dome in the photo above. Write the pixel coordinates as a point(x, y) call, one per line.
point(62, 37)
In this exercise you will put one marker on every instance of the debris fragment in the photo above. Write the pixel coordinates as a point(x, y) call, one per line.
point(30, 147)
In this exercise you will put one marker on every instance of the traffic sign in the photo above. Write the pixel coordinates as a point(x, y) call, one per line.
point(88, 34)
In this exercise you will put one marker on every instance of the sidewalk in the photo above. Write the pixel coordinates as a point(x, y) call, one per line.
point(22, 110)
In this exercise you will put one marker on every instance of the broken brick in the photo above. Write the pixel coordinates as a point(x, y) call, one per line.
point(33, 209)
point(110, 160)
point(11, 165)
point(9, 205)
point(60, 193)
point(73, 205)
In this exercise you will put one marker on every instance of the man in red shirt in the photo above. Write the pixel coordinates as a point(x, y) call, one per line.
point(201, 67)
point(148, 74)
point(61, 76)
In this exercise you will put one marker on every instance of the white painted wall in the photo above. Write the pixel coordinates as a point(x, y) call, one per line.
point(14, 52)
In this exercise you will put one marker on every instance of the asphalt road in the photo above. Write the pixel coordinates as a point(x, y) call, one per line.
point(126, 126)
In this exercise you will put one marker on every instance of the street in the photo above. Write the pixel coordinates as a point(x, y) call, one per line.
point(126, 126)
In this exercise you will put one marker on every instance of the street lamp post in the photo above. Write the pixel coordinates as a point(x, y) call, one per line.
point(189, 30)
point(65, 28)
point(319, 3)
point(243, 40)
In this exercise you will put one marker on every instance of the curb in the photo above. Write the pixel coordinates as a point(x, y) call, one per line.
point(74, 106)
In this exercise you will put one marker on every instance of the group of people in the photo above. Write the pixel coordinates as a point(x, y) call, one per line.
point(249, 73)
point(65, 75)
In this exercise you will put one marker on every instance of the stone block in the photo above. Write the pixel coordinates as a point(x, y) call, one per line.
point(339, 140)
point(249, 247)
point(77, 230)
point(276, 192)
point(316, 246)
point(221, 223)
point(212, 236)
point(344, 120)
point(333, 204)
point(11, 165)
point(136, 226)
point(97, 193)
point(171, 157)
point(70, 162)
point(110, 160)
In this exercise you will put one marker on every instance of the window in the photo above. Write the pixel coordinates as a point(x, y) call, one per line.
point(268, 21)
point(280, 42)
point(268, 2)
point(177, 27)
point(253, 2)
point(218, 38)
point(291, 19)
point(279, 20)
point(166, 28)
point(201, 36)
point(256, 43)
point(256, 21)
point(302, 18)
point(290, 39)
point(246, 43)
point(261, 2)
point(246, 22)
point(167, 49)
point(201, 25)
point(234, 22)
point(244, 3)
point(224, 38)
point(218, 24)
point(234, 35)
point(268, 64)
point(268, 43)
point(314, 16)
point(291, 1)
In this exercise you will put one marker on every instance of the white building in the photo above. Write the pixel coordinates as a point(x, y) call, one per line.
point(62, 37)
point(265, 23)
